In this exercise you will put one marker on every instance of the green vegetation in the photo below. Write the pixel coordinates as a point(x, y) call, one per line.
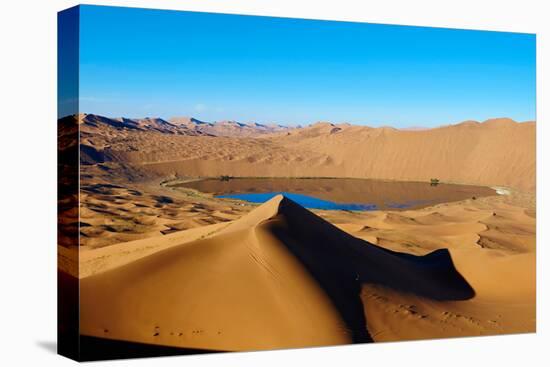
point(434, 181)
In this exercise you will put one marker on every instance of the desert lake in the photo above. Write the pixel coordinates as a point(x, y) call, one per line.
point(339, 193)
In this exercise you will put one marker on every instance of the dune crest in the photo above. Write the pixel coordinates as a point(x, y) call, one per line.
point(497, 152)
point(278, 277)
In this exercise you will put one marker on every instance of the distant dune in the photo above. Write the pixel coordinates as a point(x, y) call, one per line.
point(498, 151)
point(281, 277)
point(161, 265)
point(228, 128)
point(495, 152)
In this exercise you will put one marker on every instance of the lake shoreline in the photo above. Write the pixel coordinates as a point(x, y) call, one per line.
point(332, 193)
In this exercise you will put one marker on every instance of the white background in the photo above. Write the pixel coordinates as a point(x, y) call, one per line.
point(28, 181)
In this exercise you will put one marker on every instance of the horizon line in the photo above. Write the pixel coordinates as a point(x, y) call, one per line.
point(298, 125)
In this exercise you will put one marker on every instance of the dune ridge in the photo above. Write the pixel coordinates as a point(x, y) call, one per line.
point(281, 276)
point(178, 268)
point(497, 152)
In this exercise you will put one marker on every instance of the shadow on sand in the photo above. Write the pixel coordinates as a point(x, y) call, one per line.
point(341, 264)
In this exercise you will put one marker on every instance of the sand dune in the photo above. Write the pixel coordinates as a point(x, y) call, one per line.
point(496, 152)
point(112, 214)
point(240, 290)
point(177, 267)
point(281, 276)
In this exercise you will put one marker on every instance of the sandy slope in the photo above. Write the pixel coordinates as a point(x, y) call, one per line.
point(281, 276)
point(242, 289)
point(495, 152)
point(180, 268)
point(498, 151)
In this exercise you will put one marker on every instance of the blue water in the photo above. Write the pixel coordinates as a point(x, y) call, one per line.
point(309, 202)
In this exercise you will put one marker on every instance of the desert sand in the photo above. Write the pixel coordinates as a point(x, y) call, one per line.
point(498, 152)
point(176, 267)
point(292, 279)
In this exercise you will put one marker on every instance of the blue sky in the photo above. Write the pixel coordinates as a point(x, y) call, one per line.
point(140, 62)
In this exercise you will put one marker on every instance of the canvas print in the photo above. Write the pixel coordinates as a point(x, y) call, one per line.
point(242, 183)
